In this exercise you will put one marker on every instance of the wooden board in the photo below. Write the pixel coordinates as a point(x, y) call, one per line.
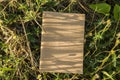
point(62, 42)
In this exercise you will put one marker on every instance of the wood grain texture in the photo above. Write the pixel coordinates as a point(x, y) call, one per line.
point(62, 42)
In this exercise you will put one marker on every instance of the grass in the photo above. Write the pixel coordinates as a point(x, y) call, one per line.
point(20, 29)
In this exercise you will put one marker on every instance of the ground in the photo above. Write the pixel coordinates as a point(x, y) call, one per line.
point(20, 33)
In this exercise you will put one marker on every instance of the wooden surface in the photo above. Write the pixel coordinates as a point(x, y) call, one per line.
point(62, 42)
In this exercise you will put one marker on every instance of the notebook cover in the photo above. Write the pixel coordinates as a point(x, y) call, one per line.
point(62, 42)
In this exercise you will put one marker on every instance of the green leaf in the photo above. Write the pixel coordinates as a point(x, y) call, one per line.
point(6, 69)
point(116, 12)
point(103, 8)
point(114, 59)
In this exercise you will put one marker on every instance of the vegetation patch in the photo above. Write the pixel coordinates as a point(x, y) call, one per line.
point(20, 33)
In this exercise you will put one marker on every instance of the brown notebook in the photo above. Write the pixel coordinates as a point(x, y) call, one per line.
point(62, 42)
